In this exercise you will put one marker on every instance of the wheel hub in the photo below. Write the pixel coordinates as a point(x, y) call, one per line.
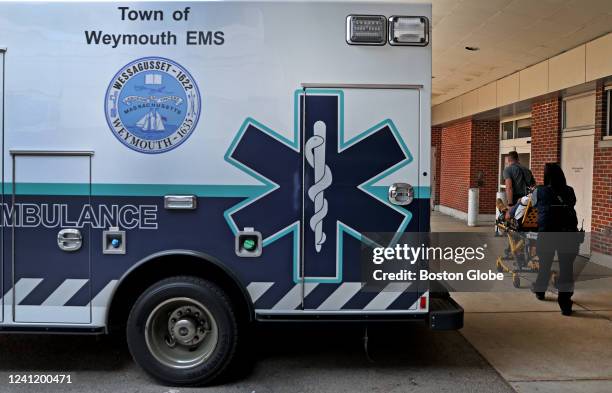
point(181, 333)
point(187, 326)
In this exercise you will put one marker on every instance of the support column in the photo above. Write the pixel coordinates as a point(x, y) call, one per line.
point(455, 165)
point(484, 164)
point(468, 159)
point(545, 135)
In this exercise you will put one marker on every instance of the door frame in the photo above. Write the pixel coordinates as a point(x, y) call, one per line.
point(585, 248)
point(584, 129)
point(303, 281)
point(520, 145)
point(2, 97)
point(46, 153)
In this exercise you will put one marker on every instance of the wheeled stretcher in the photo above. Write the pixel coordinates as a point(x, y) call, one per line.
point(520, 255)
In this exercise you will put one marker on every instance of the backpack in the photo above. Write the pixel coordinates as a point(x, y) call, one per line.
point(562, 214)
point(528, 179)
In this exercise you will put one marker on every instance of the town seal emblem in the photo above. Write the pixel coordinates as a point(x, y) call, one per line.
point(152, 105)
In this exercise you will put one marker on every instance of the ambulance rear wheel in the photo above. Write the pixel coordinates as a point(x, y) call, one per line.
point(183, 331)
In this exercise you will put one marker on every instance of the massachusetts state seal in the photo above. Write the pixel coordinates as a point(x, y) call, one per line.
point(152, 105)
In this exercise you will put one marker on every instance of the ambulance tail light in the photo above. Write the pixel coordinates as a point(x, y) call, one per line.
point(423, 303)
point(408, 30)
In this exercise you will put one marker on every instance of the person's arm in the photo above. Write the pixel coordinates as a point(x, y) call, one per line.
point(510, 213)
point(542, 203)
point(508, 183)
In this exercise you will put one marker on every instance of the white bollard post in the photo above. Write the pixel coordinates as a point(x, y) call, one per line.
point(472, 214)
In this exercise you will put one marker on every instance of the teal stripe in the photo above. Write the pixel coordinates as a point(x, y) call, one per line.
point(105, 189)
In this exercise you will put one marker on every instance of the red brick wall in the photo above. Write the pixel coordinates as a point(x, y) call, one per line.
point(455, 158)
point(545, 135)
point(436, 142)
point(469, 149)
point(484, 162)
point(601, 220)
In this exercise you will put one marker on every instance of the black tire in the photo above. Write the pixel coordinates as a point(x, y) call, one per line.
point(217, 305)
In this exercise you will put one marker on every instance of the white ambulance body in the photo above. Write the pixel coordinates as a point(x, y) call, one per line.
point(181, 170)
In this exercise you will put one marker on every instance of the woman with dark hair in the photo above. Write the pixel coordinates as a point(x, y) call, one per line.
point(557, 232)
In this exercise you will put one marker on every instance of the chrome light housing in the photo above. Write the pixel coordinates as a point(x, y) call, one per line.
point(409, 30)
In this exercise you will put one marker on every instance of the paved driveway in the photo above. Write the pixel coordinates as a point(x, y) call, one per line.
point(287, 358)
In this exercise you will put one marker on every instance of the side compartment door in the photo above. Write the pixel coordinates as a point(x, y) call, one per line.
point(357, 143)
point(51, 240)
point(3, 223)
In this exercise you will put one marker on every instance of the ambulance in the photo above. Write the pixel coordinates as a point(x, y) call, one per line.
point(179, 171)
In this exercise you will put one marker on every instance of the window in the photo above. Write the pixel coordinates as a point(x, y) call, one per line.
point(515, 135)
point(579, 112)
point(516, 129)
point(507, 130)
point(523, 128)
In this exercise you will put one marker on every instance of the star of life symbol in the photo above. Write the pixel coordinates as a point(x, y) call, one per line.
point(336, 179)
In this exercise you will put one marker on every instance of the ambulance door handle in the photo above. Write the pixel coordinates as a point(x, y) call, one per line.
point(69, 239)
point(401, 194)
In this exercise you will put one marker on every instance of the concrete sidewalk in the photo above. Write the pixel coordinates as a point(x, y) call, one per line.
point(530, 343)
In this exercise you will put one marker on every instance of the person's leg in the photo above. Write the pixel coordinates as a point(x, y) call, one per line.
point(565, 283)
point(546, 254)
